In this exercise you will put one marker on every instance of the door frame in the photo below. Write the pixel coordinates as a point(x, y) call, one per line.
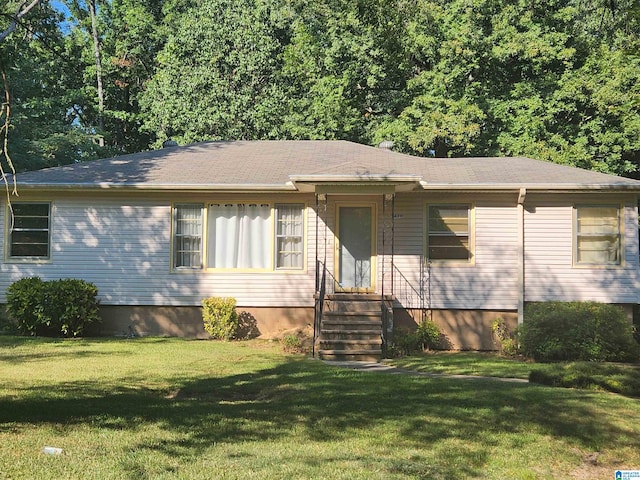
point(373, 206)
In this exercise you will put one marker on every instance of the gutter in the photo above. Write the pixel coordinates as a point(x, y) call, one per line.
point(288, 187)
point(538, 187)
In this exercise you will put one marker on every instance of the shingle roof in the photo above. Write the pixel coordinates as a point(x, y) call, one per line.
point(274, 164)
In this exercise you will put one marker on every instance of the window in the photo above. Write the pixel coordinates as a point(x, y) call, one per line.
point(239, 236)
point(597, 235)
point(187, 246)
point(289, 236)
point(29, 233)
point(448, 233)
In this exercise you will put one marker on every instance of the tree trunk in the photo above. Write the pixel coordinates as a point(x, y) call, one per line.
point(22, 11)
point(96, 53)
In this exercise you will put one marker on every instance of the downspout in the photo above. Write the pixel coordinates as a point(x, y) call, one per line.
point(521, 258)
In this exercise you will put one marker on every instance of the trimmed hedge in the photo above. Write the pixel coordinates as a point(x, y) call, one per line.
point(62, 307)
point(568, 331)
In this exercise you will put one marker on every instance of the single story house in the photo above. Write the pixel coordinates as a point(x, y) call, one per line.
point(326, 234)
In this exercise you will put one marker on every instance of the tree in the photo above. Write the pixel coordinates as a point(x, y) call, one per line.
point(217, 74)
point(39, 130)
point(21, 10)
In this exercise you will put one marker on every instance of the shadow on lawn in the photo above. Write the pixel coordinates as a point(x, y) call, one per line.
point(317, 402)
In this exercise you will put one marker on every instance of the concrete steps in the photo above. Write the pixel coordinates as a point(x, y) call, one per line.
point(351, 328)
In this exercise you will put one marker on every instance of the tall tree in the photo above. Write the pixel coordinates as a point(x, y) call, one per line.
point(217, 73)
point(37, 71)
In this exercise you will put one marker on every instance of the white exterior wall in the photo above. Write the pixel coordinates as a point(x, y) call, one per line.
point(490, 282)
point(124, 248)
point(550, 273)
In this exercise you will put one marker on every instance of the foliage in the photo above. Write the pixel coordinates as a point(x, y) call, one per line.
point(426, 336)
point(404, 343)
point(58, 307)
point(291, 344)
point(24, 304)
point(220, 317)
point(587, 331)
point(219, 64)
point(552, 80)
point(42, 84)
point(429, 335)
point(505, 340)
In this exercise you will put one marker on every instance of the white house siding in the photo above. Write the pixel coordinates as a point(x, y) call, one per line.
point(490, 283)
point(124, 247)
point(549, 270)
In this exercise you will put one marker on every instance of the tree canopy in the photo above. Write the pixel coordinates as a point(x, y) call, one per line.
point(554, 80)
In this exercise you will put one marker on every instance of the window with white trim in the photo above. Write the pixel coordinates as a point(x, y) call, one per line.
point(250, 235)
point(30, 232)
point(187, 237)
point(449, 233)
point(597, 235)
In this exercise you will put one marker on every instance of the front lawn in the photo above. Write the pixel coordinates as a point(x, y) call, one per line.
point(613, 377)
point(169, 408)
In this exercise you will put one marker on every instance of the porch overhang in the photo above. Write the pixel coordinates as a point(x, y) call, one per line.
point(364, 184)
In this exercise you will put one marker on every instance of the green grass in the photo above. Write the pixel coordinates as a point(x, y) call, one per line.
point(168, 408)
point(618, 378)
point(465, 363)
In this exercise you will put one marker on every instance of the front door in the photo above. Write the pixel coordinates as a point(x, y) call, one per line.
point(355, 248)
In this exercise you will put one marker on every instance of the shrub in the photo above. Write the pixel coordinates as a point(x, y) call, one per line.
point(24, 304)
point(429, 335)
point(503, 338)
point(426, 337)
point(405, 343)
point(292, 344)
point(589, 331)
point(71, 305)
point(220, 317)
point(59, 307)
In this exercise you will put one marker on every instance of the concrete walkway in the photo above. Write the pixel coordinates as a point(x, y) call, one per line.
point(382, 368)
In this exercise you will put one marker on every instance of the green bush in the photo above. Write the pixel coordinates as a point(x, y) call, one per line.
point(426, 337)
point(504, 339)
point(292, 344)
point(404, 343)
point(58, 307)
point(220, 317)
point(24, 304)
point(588, 331)
point(429, 335)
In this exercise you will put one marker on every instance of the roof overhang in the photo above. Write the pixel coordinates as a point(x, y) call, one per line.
point(356, 184)
point(532, 187)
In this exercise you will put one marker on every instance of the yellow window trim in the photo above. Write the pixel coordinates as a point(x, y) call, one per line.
point(205, 239)
point(574, 236)
point(471, 262)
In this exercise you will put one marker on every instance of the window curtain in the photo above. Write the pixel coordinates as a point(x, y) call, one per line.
point(239, 235)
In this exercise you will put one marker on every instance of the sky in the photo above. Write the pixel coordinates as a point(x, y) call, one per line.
point(59, 6)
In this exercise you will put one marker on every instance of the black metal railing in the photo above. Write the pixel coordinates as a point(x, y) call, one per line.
point(321, 289)
point(414, 298)
point(325, 285)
